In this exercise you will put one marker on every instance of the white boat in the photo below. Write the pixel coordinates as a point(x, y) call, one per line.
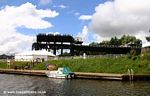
point(61, 73)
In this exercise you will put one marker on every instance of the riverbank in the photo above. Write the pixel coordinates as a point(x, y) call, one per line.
point(118, 65)
point(101, 65)
point(81, 75)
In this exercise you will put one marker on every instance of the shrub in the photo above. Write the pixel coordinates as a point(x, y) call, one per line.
point(146, 56)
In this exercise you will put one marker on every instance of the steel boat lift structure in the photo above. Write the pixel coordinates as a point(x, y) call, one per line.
point(61, 42)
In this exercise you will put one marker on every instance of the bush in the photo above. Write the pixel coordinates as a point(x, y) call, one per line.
point(132, 55)
point(146, 56)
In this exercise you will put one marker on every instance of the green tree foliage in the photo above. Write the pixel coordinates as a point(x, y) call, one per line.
point(114, 41)
point(104, 43)
point(124, 40)
point(148, 38)
point(93, 44)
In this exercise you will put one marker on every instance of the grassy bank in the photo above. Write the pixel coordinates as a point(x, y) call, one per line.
point(98, 64)
point(103, 65)
point(3, 64)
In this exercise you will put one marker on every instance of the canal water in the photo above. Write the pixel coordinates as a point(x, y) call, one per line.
point(22, 85)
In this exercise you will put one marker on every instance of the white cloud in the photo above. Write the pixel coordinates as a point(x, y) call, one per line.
point(44, 2)
point(54, 33)
point(76, 13)
point(119, 17)
point(84, 34)
point(85, 17)
point(25, 15)
point(98, 38)
point(60, 6)
point(47, 13)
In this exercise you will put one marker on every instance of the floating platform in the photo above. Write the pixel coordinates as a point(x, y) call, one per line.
point(81, 75)
point(104, 76)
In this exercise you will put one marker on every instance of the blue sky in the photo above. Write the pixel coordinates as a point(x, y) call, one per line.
point(67, 22)
point(19, 36)
point(92, 20)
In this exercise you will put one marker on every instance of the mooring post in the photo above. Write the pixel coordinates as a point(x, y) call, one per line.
point(132, 74)
point(129, 73)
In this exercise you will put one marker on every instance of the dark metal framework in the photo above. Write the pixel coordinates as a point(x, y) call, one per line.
point(56, 42)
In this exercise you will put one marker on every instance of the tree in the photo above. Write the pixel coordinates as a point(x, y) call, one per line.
point(138, 42)
point(104, 43)
point(114, 41)
point(124, 40)
point(93, 44)
point(148, 38)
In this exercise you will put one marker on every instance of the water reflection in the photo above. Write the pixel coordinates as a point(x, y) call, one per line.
point(61, 87)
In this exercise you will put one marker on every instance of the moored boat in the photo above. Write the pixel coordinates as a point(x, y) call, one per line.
point(62, 72)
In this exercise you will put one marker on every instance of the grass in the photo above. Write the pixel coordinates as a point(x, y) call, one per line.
point(40, 66)
point(3, 64)
point(105, 65)
point(21, 64)
point(97, 64)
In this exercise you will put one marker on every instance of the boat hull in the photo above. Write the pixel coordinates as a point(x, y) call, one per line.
point(54, 74)
point(61, 73)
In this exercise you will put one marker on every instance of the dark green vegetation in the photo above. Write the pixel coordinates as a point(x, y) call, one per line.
point(3, 64)
point(17, 65)
point(41, 66)
point(124, 40)
point(148, 37)
point(140, 64)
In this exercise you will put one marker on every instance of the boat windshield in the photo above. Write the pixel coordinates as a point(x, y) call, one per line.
point(66, 70)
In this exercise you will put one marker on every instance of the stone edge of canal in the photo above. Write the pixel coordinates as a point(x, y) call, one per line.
point(83, 75)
